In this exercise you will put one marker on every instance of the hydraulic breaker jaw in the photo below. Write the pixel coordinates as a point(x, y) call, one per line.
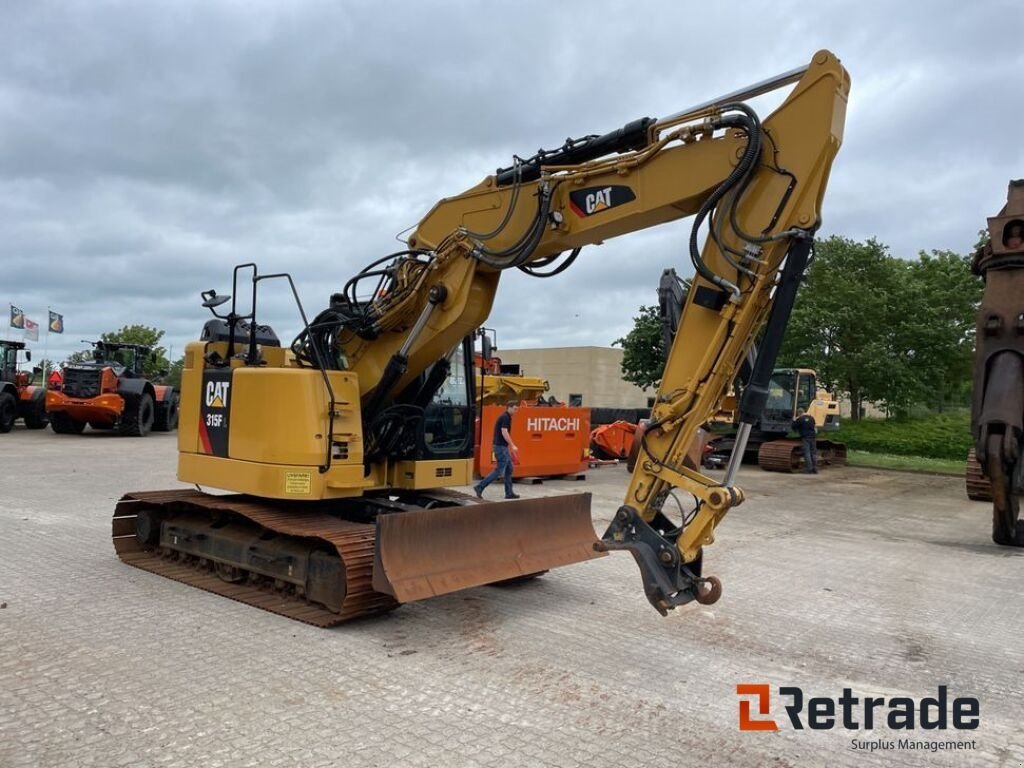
point(668, 581)
point(997, 409)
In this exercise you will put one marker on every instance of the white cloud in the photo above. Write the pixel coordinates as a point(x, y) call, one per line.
point(147, 148)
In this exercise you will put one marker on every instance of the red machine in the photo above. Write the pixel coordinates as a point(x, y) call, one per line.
point(612, 441)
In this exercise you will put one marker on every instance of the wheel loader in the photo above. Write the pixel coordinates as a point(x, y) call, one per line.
point(19, 398)
point(111, 392)
point(344, 451)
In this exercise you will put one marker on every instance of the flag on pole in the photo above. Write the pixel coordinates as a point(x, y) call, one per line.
point(56, 322)
point(31, 330)
point(17, 317)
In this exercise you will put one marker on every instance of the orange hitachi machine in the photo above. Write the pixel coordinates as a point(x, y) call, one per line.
point(553, 438)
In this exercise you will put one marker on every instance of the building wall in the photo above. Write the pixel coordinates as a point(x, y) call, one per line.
point(869, 410)
point(594, 372)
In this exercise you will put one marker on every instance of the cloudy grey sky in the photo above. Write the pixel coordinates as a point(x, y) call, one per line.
point(146, 148)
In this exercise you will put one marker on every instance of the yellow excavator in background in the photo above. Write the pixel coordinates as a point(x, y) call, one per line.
point(789, 390)
point(342, 448)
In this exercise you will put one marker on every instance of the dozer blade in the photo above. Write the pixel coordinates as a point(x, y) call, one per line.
point(436, 551)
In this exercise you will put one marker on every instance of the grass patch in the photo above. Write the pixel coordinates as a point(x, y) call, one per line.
point(936, 436)
point(906, 463)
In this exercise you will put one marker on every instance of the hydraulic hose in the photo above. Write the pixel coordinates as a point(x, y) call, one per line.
point(749, 123)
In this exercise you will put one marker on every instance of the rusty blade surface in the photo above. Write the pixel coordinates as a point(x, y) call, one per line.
point(433, 552)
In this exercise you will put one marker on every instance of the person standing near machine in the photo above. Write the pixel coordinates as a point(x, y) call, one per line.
point(504, 447)
point(804, 426)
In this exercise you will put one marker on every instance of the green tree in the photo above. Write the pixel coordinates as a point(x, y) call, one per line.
point(174, 373)
point(940, 325)
point(643, 355)
point(844, 318)
point(644, 352)
point(886, 329)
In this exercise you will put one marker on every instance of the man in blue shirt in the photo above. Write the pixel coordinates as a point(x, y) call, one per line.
point(804, 426)
point(503, 446)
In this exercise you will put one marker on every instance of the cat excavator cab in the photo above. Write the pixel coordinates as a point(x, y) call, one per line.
point(344, 448)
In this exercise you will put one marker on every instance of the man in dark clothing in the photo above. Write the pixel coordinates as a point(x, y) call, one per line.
point(804, 426)
point(504, 447)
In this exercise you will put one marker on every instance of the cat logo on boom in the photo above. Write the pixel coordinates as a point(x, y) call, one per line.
point(590, 200)
point(217, 394)
point(598, 201)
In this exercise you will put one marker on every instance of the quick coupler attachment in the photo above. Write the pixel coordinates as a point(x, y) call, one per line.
point(668, 582)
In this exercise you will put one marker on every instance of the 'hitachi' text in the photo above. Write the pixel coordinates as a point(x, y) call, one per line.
point(548, 424)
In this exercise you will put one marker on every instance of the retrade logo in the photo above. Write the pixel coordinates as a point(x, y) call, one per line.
point(898, 713)
point(762, 694)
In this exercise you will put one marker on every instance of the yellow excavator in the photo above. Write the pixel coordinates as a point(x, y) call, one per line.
point(341, 450)
point(789, 391)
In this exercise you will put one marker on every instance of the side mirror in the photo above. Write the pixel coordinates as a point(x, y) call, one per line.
point(211, 299)
point(28, 354)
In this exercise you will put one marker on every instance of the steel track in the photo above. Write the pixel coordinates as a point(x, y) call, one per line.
point(353, 542)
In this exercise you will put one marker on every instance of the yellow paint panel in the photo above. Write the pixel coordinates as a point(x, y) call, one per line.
point(446, 473)
point(271, 481)
point(280, 416)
